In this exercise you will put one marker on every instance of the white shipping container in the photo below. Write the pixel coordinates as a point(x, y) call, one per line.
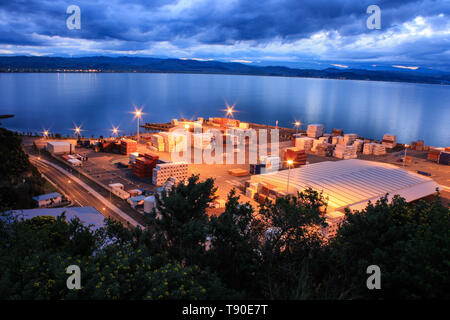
point(149, 204)
point(58, 147)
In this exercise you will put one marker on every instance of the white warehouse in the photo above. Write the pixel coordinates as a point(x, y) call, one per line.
point(59, 147)
point(351, 183)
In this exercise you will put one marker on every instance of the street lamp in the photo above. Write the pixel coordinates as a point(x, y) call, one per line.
point(290, 163)
point(404, 158)
point(229, 111)
point(138, 115)
point(115, 130)
point(297, 125)
point(77, 130)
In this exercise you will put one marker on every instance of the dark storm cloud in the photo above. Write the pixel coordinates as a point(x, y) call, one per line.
point(136, 25)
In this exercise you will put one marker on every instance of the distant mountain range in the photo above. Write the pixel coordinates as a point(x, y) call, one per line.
point(157, 65)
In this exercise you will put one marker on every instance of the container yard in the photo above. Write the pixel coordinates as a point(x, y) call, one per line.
point(142, 168)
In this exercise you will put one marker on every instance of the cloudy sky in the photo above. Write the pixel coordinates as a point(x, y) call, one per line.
point(313, 33)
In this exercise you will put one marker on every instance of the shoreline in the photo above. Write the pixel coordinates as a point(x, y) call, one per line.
point(223, 73)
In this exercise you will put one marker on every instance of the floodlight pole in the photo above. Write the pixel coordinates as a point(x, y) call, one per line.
point(289, 173)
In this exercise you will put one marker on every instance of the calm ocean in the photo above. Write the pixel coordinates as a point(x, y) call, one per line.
point(100, 101)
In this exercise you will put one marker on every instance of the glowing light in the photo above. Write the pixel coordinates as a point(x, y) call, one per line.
point(77, 129)
point(290, 162)
point(115, 130)
point(229, 110)
point(186, 126)
point(138, 112)
point(297, 123)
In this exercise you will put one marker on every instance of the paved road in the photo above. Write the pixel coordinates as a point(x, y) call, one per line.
point(81, 193)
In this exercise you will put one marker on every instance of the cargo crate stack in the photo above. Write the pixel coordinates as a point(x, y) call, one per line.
point(297, 156)
point(143, 166)
point(368, 148)
point(316, 142)
point(337, 140)
point(349, 138)
point(379, 150)
point(433, 155)
point(444, 157)
point(337, 132)
point(128, 146)
point(163, 171)
point(179, 142)
point(297, 135)
point(158, 142)
point(272, 163)
point(389, 141)
point(358, 144)
point(345, 152)
point(251, 190)
point(326, 137)
point(238, 172)
point(202, 141)
point(134, 156)
point(304, 143)
point(258, 168)
point(315, 130)
point(168, 141)
point(417, 145)
point(325, 150)
point(265, 192)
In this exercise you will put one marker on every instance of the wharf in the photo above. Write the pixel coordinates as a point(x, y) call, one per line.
point(285, 133)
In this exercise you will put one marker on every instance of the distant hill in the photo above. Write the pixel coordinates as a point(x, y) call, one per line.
point(156, 65)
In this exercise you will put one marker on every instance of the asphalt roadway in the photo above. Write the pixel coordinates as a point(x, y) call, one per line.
point(84, 193)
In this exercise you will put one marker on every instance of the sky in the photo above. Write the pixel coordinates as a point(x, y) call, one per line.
point(309, 33)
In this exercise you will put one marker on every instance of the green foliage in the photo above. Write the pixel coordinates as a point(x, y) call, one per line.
point(184, 222)
point(19, 180)
point(235, 238)
point(409, 242)
point(13, 160)
point(293, 234)
point(275, 253)
point(36, 253)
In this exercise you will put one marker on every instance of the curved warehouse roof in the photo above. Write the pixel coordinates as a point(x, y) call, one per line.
point(352, 183)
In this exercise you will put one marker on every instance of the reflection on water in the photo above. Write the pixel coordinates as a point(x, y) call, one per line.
point(99, 101)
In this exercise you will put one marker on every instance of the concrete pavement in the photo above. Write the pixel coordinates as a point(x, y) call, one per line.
point(80, 192)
